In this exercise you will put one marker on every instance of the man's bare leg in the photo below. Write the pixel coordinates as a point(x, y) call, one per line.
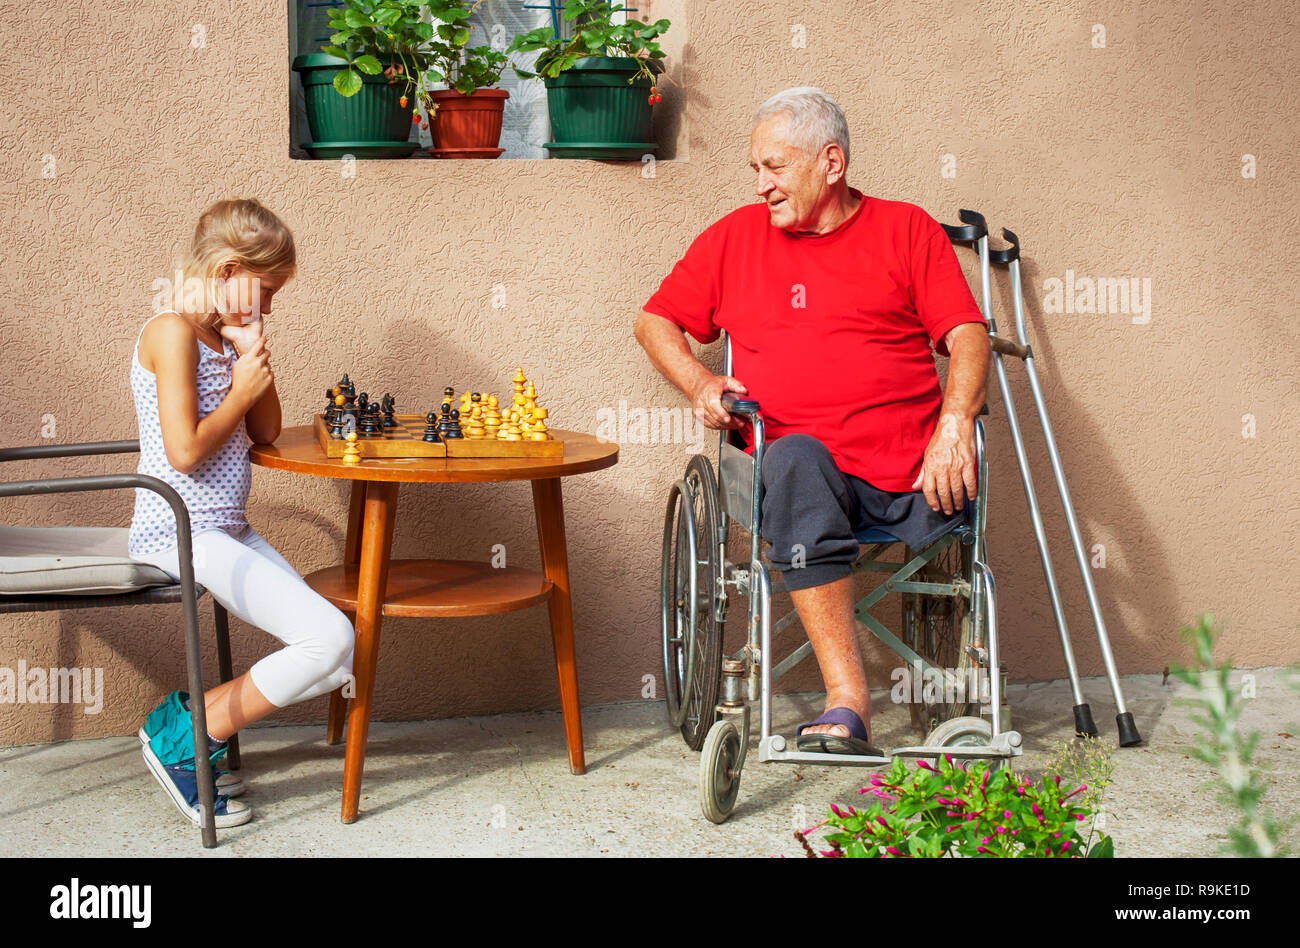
point(827, 615)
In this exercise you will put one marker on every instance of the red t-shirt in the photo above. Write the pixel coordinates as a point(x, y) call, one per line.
point(831, 333)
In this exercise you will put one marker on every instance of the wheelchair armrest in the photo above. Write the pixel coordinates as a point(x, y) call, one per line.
point(35, 451)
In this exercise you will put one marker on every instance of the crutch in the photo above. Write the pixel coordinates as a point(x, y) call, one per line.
point(977, 236)
point(1083, 723)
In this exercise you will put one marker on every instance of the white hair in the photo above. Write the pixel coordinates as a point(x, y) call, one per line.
point(815, 119)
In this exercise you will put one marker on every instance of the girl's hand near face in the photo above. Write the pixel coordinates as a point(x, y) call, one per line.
point(242, 337)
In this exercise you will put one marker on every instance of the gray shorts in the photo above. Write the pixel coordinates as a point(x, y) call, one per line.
point(812, 511)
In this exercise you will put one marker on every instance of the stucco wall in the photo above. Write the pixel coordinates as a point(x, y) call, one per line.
point(1122, 161)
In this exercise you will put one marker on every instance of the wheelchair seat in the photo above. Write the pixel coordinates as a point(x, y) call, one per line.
point(880, 535)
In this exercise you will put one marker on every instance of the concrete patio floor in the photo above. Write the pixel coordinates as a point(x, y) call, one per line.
point(500, 785)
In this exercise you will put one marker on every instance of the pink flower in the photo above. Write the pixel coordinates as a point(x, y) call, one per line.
point(1006, 814)
point(1065, 845)
point(1037, 812)
point(981, 849)
point(984, 840)
point(1079, 816)
point(1056, 836)
point(881, 821)
point(1001, 829)
point(949, 829)
point(892, 851)
point(923, 765)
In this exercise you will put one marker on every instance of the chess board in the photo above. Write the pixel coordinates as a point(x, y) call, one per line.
point(406, 441)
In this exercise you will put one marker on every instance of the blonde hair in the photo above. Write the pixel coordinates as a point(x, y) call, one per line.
point(241, 231)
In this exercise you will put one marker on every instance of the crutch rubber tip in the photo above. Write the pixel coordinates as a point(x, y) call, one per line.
point(1084, 726)
point(1128, 732)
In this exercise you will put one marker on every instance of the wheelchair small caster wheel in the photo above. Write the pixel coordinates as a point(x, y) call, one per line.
point(719, 779)
point(965, 731)
point(778, 743)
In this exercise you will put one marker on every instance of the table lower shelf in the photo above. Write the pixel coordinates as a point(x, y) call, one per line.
point(420, 588)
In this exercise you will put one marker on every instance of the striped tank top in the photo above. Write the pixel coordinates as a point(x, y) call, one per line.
point(216, 493)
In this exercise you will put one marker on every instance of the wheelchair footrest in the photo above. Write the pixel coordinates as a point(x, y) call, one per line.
point(773, 748)
point(1006, 744)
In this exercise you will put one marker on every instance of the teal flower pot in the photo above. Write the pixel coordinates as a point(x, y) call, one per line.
point(596, 113)
point(370, 124)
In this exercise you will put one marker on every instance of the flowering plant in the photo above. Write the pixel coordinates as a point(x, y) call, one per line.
point(956, 810)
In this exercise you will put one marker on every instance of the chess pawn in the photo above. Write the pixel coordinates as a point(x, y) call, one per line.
point(512, 432)
point(352, 452)
point(448, 395)
point(453, 426)
point(474, 427)
point(491, 417)
point(431, 427)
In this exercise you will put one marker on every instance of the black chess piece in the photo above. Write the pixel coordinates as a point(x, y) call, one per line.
point(431, 427)
point(390, 407)
point(453, 425)
point(445, 421)
point(369, 426)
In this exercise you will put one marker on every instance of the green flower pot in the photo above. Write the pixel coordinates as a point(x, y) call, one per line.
point(596, 113)
point(371, 123)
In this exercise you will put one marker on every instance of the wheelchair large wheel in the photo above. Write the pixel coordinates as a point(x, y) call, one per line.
point(940, 630)
point(719, 778)
point(689, 584)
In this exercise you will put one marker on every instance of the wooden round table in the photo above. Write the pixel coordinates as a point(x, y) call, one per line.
point(369, 585)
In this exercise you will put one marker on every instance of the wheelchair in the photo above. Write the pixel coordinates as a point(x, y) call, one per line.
point(948, 637)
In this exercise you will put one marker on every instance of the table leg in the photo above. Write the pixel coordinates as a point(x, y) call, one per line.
point(376, 547)
point(351, 554)
point(549, 508)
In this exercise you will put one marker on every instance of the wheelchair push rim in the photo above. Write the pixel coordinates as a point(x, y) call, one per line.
point(691, 636)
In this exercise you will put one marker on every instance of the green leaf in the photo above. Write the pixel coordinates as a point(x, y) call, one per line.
point(1104, 848)
point(356, 20)
point(369, 65)
point(334, 51)
point(388, 17)
point(348, 83)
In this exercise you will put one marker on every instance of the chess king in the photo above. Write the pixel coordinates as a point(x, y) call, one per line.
point(832, 300)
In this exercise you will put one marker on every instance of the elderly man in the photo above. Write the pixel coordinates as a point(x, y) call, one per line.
point(832, 300)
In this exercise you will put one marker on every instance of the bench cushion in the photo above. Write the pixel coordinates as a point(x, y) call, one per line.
point(74, 561)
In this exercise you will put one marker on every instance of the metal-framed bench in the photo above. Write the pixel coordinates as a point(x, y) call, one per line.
point(56, 568)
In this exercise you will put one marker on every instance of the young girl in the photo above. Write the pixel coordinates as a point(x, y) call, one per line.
point(203, 386)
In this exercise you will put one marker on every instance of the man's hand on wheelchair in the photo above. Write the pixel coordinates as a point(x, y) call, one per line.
point(948, 475)
point(706, 400)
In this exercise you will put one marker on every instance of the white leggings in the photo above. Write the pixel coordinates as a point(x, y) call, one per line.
point(246, 575)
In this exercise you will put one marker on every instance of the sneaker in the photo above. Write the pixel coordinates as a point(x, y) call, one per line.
point(176, 703)
point(169, 755)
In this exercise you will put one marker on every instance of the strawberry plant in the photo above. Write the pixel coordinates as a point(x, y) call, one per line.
point(452, 60)
point(594, 34)
point(370, 33)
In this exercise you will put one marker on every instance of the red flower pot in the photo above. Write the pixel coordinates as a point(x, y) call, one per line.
point(467, 126)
